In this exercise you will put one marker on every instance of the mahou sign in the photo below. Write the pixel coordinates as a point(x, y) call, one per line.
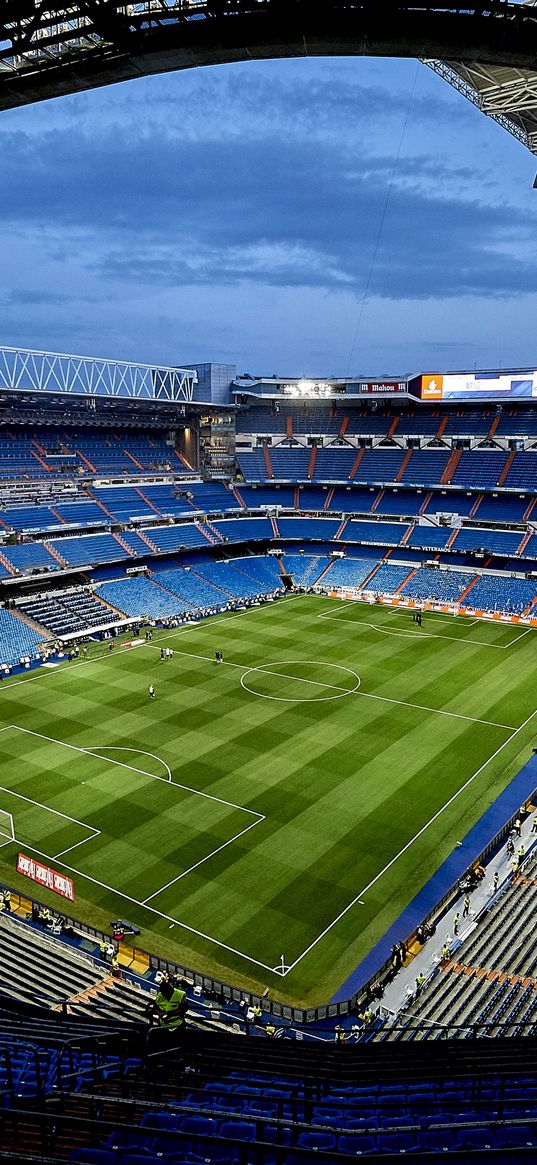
point(35, 870)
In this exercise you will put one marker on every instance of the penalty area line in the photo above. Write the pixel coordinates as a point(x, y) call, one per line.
point(202, 860)
point(159, 913)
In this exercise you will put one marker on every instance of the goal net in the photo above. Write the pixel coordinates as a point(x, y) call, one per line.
point(7, 832)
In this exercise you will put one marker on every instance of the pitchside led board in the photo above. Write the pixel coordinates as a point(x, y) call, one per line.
point(480, 386)
point(45, 876)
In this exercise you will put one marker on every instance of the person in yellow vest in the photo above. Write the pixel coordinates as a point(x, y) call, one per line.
point(170, 1006)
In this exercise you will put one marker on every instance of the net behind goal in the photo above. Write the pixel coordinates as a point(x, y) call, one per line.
point(7, 831)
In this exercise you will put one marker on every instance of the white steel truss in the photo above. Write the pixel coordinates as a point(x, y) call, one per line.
point(25, 370)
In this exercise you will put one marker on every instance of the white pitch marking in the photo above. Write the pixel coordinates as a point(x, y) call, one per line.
point(210, 620)
point(266, 669)
point(333, 615)
point(40, 804)
point(521, 636)
point(354, 691)
point(202, 860)
point(96, 833)
point(133, 769)
point(152, 909)
point(410, 843)
point(113, 889)
point(140, 751)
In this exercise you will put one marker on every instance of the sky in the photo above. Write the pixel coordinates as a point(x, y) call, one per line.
point(308, 217)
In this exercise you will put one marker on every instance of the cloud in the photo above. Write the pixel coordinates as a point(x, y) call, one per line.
point(294, 213)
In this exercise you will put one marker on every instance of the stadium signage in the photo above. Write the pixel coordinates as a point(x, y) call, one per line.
point(475, 386)
point(45, 876)
point(370, 387)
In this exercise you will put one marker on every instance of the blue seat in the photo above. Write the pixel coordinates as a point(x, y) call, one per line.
point(238, 1131)
point(261, 1107)
point(125, 1141)
point(277, 1135)
point(140, 1159)
point(396, 1143)
point(212, 1151)
point(327, 1116)
point(358, 1146)
point(319, 1142)
point(166, 1146)
point(475, 1139)
point(160, 1120)
point(441, 1140)
point(199, 1126)
point(515, 1136)
point(403, 1121)
point(355, 1123)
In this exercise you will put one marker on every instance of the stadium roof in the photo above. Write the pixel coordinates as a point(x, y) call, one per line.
point(508, 95)
point(487, 49)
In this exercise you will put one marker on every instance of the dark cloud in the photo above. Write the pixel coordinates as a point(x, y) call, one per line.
point(176, 212)
point(132, 207)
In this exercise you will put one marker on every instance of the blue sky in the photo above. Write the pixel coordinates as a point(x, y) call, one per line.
point(233, 213)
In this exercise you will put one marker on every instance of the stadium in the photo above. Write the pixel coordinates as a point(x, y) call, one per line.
point(268, 787)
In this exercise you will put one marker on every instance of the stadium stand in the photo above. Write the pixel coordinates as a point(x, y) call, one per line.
point(258, 496)
point(193, 588)
point(65, 614)
point(479, 469)
point(352, 500)
point(141, 596)
point(441, 586)
point(387, 579)
point(170, 538)
point(501, 542)
point(504, 992)
point(429, 537)
point(493, 593)
point(17, 638)
point(28, 557)
point(305, 568)
point(244, 529)
point(89, 549)
point(310, 528)
point(378, 533)
point(346, 572)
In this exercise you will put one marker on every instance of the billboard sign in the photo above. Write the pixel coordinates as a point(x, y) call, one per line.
point(380, 387)
point(475, 386)
point(45, 876)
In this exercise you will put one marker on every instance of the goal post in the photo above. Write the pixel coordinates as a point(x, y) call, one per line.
point(7, 830)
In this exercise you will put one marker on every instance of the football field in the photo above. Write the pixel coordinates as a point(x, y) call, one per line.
point(285, 805)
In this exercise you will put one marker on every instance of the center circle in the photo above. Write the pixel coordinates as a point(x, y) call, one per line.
point(281, 673)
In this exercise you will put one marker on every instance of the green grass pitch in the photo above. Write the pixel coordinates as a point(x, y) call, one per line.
point(288, 802)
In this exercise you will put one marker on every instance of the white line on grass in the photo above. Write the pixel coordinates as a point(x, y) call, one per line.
point(202, 860)
point(96, 833)
point(41, 674)
point(521, 636)
point(140, 751)
point(95, 752)
point(350, 692)
point(48, 808)
point(113, 889)
point(406, 847)
point(152, 909)
point(333, 616)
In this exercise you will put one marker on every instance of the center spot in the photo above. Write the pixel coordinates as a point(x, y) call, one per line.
point(300, 681)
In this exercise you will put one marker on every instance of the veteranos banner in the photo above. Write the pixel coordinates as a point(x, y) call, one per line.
point(46, 876)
